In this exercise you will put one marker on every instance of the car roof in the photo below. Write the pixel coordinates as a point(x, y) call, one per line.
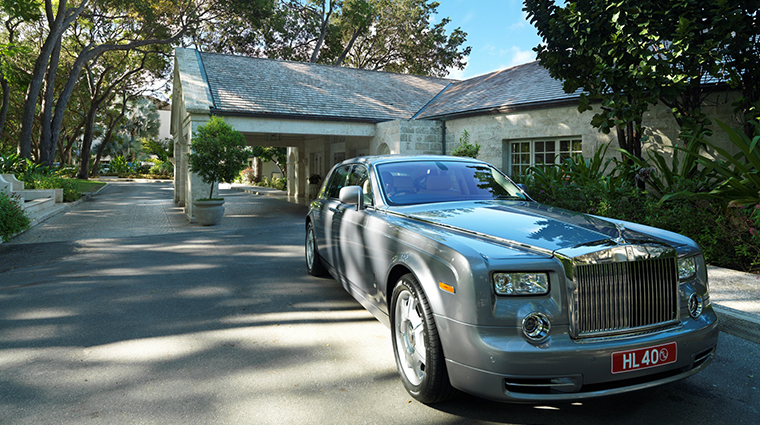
point(387, 159)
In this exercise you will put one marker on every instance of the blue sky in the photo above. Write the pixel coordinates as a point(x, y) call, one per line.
point(497, 31)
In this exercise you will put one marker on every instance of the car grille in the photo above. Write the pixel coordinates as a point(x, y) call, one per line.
point(625, 297)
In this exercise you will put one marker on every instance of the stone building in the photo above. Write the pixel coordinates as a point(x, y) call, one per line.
point(325, 114)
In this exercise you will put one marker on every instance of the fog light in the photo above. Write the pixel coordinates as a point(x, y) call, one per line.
point(536, 326)
point(695, 305)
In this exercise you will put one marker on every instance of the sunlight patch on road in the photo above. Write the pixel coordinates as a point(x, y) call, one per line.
point(204, 291)
point(42, 313)
point(301, 317)
point(35, 333)
point(147, 349)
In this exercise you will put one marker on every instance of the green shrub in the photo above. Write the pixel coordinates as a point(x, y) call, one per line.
point(12, 218)
point(69, 171)
point(70, 192)
point(466, 148)
point(279, 183)
point(161, 168)
point(119, 165)
point(248, 176)
point(728, 237)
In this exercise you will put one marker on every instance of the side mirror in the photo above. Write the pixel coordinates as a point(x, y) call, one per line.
point(523, 187)
point(352, 195)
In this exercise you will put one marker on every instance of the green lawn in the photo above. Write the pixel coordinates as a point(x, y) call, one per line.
point(84, 186)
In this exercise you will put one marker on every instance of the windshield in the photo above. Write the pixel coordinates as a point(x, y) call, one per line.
point(420, 182)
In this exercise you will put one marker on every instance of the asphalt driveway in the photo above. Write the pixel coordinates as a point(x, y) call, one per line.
point(120, 311)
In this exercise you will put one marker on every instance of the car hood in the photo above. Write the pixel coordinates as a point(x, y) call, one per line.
point(531, 224)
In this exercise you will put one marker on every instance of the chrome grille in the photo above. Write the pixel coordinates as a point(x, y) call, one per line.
point(614, 298)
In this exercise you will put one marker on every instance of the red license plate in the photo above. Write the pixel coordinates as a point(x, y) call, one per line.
point(644, 358)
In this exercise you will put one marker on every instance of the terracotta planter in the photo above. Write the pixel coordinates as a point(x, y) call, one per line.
point(208, 213)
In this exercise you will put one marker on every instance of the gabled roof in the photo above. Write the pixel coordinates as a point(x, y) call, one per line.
point(239, 85)
point(521, 86)
point(253, 86)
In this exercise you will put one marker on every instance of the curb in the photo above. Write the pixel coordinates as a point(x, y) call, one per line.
point(738, 323)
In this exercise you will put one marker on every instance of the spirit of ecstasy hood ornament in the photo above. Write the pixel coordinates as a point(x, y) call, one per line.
point(620, 240)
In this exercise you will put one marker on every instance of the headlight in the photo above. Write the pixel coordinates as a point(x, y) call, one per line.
point(687, 268)
point(521, 283)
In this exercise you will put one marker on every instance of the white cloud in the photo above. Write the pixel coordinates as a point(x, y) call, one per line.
point(521, 56)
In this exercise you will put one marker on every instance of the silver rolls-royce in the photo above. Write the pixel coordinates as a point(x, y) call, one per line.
point(489, 292)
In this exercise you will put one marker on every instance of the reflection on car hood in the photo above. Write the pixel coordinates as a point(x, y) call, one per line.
point(526, 223)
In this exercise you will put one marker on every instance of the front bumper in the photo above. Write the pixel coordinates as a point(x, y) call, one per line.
point(499, 364)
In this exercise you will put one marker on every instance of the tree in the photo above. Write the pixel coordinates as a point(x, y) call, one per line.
point(140, 121)
point(603, 49)
point(111, 72)
point(217, 153)
point(133, 23)
point(14, 13)
point(742, 58)
point(629, 55)
point(278, 155)
point(390, 35)
point(400, 38)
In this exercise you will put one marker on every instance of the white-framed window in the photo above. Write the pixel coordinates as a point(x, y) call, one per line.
point(524, 154)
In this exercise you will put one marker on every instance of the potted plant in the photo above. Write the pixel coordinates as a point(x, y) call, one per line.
point(218, 155)
point(314, 181)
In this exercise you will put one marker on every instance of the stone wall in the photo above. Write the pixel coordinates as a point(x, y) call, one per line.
point(494, 131)
point(409, 137)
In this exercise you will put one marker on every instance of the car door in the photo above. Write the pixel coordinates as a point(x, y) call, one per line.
point(356, 236)
point(325, 215)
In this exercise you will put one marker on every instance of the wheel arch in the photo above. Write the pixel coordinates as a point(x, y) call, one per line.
point(428, 271)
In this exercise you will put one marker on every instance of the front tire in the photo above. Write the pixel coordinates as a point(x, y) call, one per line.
point(313, 259)
point(416, 344)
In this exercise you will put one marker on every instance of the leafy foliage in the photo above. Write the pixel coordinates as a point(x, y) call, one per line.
point(12, 218)
point(737, 176)
point(389, 35)
point(466, 148)
point(278, 155)
point(42, 181)
point(161, 168)
point(681, 173)
point(218, 153)
point(696, 204)
point(625, 56)
point(163, 148)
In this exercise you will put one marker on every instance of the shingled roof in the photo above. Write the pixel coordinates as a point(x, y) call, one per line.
point(253, 86)
point(517, 87)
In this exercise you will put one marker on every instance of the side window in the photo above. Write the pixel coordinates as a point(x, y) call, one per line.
point(338, 180)
point(360, 177)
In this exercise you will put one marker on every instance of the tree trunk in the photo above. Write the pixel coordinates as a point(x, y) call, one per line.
point(325, 17)
point(6, 101)
point(47, 149)
point(84, 154)
point(57, 27)
point(85, 55)
point(344, 53)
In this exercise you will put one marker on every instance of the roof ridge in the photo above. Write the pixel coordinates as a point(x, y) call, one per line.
point(431, 101)
point(346, 68)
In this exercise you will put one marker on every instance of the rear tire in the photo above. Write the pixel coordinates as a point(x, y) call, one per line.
point(313, 259)
point(416, 344)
